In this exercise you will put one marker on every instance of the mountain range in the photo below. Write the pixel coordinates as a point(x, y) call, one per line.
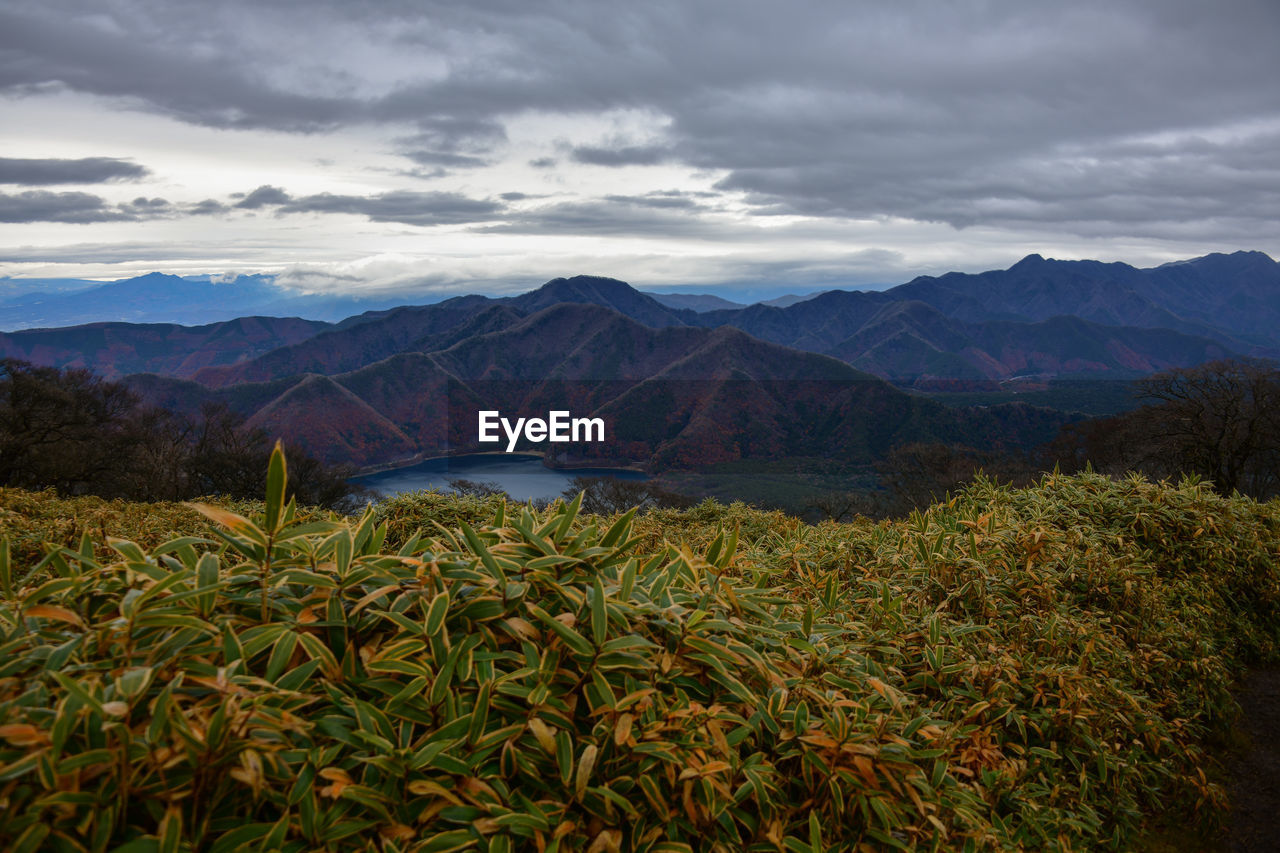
point(677, 396)
point(684, 386)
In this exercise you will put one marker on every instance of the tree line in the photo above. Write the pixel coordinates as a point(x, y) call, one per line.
point(1219, 421)
point(74, 431)
point(78, 433)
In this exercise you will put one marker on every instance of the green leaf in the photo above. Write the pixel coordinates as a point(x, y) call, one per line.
point(6, 576)
point(436, 612)
point(77, 690)
point(599, 612)
point(281, 652)
point(564, 756)
point(276, 479)
point(566, 519)
point(171, 830)
point(481, 551)
point(30, 841)
point(572, 638)
point(618, 531)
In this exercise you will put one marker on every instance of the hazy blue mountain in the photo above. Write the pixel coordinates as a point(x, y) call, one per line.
point(1239, 292)
point(161, 298)
point(115, 349)
point(698, 302)
point(1231, 297)
point(790, 299)
point(15, 291)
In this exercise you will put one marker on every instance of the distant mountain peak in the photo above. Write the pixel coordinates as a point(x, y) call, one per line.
point(595, 282)
point(598, 290)
point(1032, 260)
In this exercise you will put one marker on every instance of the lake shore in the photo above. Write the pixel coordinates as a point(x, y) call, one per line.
point(413, 461)
point(522, 475)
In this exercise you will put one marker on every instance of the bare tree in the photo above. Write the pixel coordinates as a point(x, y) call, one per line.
point(919, 474)
point(1220, 420)
point(81, 434)
point(608, 495)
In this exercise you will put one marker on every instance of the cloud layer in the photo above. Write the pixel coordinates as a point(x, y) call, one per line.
point(1033, 125)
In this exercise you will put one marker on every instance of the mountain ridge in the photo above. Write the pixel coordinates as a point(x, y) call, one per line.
point(805, 376)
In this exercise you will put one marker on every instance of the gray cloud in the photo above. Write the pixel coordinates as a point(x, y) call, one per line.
point(98, 253)
point(665, 199)
point(208, 207)
point(409, 208)
point(45, 206)
point(263, 196)
point(619, 216)
point(79, 208)
point(86, 170)
point(625, 155)
point(445, 158)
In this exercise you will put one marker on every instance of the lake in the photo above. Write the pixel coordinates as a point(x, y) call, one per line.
point(521, 476)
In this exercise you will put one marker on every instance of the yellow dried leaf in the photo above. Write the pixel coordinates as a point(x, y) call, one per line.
point(622, 731)
point(22, 734)
point(397, 832)
point(427, 786)
point(608, 841)
point(522, 627)
point(486, 825)
point(545, 734)
point(49, 611)
point(227, 519)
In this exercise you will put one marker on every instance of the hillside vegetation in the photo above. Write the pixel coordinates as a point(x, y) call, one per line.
point(1013, 669)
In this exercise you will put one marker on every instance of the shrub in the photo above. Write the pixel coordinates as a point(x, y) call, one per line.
point(1013, 669)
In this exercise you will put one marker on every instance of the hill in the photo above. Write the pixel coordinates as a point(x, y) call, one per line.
point(677, 396)
point(115, 349)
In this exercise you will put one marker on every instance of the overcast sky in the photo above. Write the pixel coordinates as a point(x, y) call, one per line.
point(490, 145)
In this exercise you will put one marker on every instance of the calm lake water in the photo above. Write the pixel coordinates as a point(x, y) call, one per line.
point(522, 477)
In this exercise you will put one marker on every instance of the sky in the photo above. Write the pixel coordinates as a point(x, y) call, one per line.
point(431, 148)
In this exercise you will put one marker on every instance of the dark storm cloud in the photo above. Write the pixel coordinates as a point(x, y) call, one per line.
point(86, 170)
point(1145, 116)
point(403, 206)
